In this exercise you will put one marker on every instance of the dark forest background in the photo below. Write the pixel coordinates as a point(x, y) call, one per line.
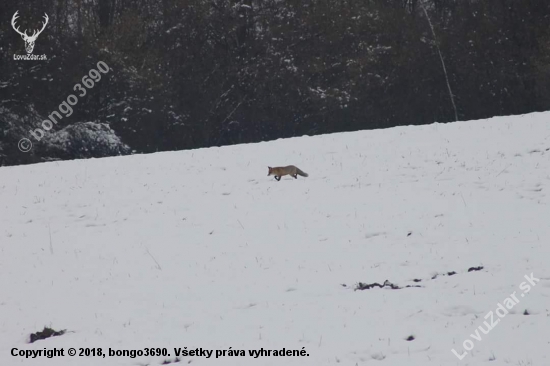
point(195, 73)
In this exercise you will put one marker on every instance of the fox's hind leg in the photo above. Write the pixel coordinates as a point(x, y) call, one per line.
point(278, 178)
point(295, 176)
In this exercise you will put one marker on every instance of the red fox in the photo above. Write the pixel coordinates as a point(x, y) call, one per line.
point(291, 170)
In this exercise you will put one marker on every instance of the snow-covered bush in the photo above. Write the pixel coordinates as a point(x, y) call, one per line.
point(83, 140)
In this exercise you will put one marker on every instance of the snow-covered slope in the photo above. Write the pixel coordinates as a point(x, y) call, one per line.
point(200, 249)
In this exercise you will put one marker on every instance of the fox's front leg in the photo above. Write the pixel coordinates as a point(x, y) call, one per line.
point(278, 178)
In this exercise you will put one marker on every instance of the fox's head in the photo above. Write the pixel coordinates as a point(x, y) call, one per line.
point(270, 169)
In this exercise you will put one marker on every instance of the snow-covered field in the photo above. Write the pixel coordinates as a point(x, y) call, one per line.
point(201, 249)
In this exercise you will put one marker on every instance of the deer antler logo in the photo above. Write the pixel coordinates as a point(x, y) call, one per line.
point(29, 40)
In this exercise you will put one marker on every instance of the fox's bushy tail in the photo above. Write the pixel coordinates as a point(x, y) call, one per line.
point(299, 172)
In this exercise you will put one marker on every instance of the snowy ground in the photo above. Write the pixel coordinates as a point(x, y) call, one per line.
point(200, 249)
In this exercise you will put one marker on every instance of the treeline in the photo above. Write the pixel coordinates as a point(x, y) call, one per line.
point(197, 73)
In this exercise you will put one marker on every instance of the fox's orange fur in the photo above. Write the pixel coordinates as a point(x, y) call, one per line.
point(280, 171)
